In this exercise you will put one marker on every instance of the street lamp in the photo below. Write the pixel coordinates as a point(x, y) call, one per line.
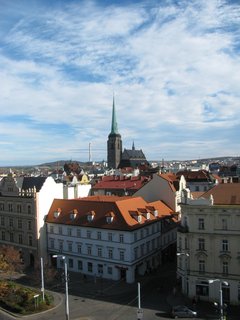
point(66, 283)
point(185, 269)
point(42, 279)
point(220, 295)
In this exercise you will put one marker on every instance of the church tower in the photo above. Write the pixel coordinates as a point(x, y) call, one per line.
point(114, 143)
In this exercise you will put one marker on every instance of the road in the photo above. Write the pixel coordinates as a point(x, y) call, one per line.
point(96, 299)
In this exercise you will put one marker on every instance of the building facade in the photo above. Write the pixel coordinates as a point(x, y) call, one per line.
point(110, 237)
point(24, 203)
point(208, 245)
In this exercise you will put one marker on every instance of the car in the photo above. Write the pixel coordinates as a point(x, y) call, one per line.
point(183, 312)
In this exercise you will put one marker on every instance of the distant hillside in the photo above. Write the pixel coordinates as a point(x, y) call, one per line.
point(59, 163)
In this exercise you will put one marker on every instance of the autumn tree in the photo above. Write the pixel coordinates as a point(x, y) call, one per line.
point(10, 260)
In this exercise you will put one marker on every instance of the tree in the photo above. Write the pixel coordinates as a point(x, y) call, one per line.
point(10, 260)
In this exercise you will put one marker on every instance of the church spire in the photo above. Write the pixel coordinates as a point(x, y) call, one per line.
point(114, 129)
point(133, 146)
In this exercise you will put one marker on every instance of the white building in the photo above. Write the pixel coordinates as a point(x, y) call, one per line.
point(108, 236)
point(208, 245)
point(166, 187)
point(24, 204)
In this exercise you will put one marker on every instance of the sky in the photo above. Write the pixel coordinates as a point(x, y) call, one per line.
point(173, 67)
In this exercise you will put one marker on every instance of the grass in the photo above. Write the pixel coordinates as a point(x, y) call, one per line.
point(19, 299)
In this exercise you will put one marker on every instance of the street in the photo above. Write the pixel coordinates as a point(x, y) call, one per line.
point(94, 298)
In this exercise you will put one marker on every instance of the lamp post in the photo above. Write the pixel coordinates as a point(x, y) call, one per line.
point(220, 295)
point(42, 278)
point(66, 283)
point(185, 269)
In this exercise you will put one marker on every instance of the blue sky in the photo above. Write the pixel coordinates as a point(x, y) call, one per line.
point(174, 67)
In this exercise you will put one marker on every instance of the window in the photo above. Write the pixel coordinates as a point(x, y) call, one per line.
point(2, 206)
point(2, 221)
point(99, 250)
point(121, 255)
point(201, 264)
point(109, 270)
point(88, 234)
point(3, 235)
point(110, 253)
point(121, 238)
point(196, 188)
point(19, 224)
point(10, 222)
point(70, 263)
point(147, 231)
point(20, 239)
point(142, 234)
point(69, 232)
point(225, 267)
point(79, 233)
point(30, 241)
point(10, 207)
point(70, 246)
point(142, 249)
point(80, 265)
point(99, 235)
point(60, 229)
point(135, 236)
point(89, 251)
point(201, 244)
point(180, 243)
point(148, 246)
point(29, 225)
point(225, 245)
point(51, 243)
point(185, 242)
point(109, 236)
point(51, 229)
point(19, 208)
point(90, 267)
point(29, 209)
point(79, 248)
point(11, 236)
point(100, 268)
point(60, 246)
point(224, 224)
point(201, 224)
point(135, 253)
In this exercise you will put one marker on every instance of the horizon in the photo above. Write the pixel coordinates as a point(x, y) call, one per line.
point(173, 68)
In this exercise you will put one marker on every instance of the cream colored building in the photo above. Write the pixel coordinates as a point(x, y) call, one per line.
point(208, 245)
point(24, 204)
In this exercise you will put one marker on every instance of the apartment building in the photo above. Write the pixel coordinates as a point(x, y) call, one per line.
point(24, 203)
point(109, 236)
point(208, 245)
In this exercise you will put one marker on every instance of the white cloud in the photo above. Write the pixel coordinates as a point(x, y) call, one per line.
point(174, 68)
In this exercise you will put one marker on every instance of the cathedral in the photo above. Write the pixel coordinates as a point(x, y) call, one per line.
point(115, 156)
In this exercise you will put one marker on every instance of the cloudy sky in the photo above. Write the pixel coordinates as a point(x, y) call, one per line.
point(174, 68)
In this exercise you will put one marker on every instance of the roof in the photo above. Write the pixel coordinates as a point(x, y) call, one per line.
point(26, 183)
point(120, 182)
point(224, 194)
point(200, 175)
point(172, 179)
point(124, 211)
point(130, 154)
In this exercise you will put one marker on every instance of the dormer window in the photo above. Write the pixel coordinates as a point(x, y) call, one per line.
point(155, 213)
point(139, 218)
point(109, 217)
point(73, 214)
point(57, 213)
point(90, 216)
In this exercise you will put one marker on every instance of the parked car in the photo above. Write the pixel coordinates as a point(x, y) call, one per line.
point(183, 312)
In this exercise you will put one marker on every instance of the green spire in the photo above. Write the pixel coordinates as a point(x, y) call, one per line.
point(114, 129)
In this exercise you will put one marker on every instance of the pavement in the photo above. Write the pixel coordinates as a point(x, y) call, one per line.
point(102, 289)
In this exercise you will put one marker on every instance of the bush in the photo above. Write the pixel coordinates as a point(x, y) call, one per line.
point(19, 299)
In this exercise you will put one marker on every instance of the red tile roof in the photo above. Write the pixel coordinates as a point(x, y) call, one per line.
point(225, 194)
point(120, 208)
point(117, 182)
